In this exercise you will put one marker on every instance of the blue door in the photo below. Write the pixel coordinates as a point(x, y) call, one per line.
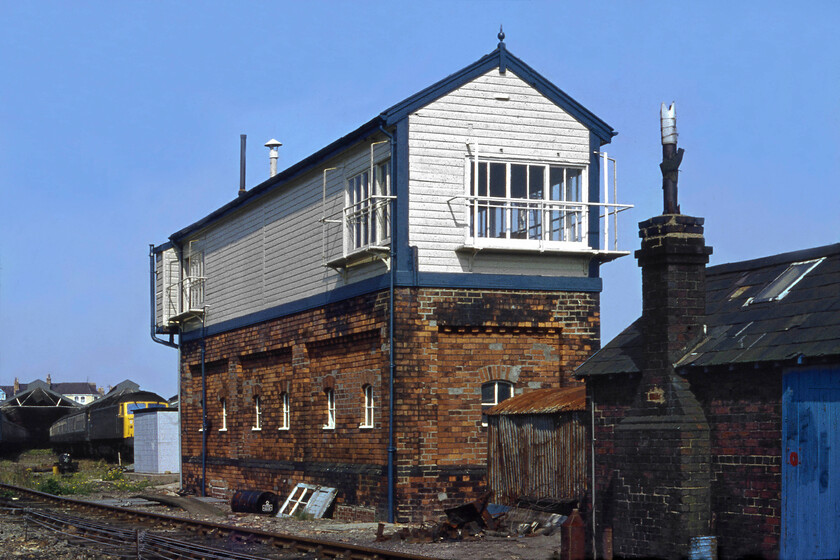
point(811, 464)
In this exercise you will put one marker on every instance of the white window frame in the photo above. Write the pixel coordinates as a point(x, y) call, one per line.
point(367, 394)
point(285, 416)
point(224, 415)
point(192, 286)
point(257, 415)
point(558, 219)
point(488, 404)
point(367, 209)
point(330, 394)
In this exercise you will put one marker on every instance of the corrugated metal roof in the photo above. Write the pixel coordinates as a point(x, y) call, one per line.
point(543, 401)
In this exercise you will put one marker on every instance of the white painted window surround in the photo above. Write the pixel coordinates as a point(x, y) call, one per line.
point(514, 204)
point(330, 395)
point(285, 422)
point(367, 421)
point(492, 393)
point(257, 415)
point(366, 214)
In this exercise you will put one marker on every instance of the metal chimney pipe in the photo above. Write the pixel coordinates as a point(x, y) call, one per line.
point(272, 146)
point(241, 164)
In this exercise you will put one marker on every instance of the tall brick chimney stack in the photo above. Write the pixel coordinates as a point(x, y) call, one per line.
point(17, 386)
point(49, 381)
point(664, 437)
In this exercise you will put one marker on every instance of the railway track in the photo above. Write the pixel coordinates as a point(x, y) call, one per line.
point(127, 533)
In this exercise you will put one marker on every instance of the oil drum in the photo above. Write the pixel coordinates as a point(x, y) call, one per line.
point(254, 501)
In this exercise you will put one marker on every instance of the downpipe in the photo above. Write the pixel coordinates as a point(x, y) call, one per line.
point(392, 366)
point(170, 343)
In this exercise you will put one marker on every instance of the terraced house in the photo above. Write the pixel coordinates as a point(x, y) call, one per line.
point(345, 322)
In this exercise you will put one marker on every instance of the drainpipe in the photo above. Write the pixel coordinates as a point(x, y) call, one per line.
point(203, 415)
point(592, 487)
point(392, 365)
point(169, 342)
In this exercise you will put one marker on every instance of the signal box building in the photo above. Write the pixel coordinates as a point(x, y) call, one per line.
point(346, 322)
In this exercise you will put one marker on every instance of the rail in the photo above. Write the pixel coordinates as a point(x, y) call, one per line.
point(155, 545)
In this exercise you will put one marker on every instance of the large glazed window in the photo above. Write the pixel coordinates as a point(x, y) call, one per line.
point(366, 216)
point(526, 201)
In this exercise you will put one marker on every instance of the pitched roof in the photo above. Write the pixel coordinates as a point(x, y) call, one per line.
point(75, 388)
point(803, 324)
point(542, 401)
point(499, 58)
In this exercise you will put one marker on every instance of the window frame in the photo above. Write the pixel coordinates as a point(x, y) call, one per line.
point(486, 404)
point(369, 226)
point(223, 402)
point(285, 412)
point(331, 418)
point(368, 407)
point(564, 203)
point(257, 427)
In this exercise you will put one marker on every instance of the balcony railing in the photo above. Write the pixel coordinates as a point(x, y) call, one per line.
point(185, 297)
point(542, 223)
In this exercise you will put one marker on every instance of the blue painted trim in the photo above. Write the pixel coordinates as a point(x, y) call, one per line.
point(502, 57)
point(422, 280)
point(163, 247)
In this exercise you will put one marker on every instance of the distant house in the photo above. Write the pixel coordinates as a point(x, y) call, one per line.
point(347, 321)
point(82, 393)
point(716, 413)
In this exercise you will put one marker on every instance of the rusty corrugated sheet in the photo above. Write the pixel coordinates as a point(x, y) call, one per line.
point(543, 401)
point(537, 455)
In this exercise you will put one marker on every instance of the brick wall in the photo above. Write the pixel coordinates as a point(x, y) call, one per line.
point(743, 411)
point(447, 343)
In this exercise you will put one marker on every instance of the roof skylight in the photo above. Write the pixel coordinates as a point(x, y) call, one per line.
point(779, 288)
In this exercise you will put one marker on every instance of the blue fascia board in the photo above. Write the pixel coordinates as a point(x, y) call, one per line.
point(164, 247)
point(421, 280)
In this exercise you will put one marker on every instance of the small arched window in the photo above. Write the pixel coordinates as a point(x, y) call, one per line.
point(367, 393)
point(330, 394)
point(257, 414)
point(224, 415)
point(284, 411)
point(492, 393)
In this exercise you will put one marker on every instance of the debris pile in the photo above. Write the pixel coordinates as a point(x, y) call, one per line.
point(475, 520)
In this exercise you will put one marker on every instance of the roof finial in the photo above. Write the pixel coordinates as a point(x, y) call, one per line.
point(501, 35)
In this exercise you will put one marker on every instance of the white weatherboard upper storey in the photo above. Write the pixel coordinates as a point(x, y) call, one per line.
point(273, 250)
point(510, 121)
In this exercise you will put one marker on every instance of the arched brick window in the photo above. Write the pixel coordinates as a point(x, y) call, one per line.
point(492, 393)
point(329, 393)
point(285, 411)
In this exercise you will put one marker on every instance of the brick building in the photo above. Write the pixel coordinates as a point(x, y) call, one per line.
point(345, 322)
point(716, 412)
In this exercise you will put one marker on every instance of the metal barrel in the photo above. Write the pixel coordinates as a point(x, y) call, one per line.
point(254, 501)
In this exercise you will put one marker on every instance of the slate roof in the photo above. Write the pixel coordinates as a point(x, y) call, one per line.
point(804, 324)
point(69, 388)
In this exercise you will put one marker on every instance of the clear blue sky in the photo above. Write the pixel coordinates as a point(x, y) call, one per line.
point(120, 123)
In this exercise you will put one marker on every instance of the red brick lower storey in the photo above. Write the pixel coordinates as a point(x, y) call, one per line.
point(447, 343)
